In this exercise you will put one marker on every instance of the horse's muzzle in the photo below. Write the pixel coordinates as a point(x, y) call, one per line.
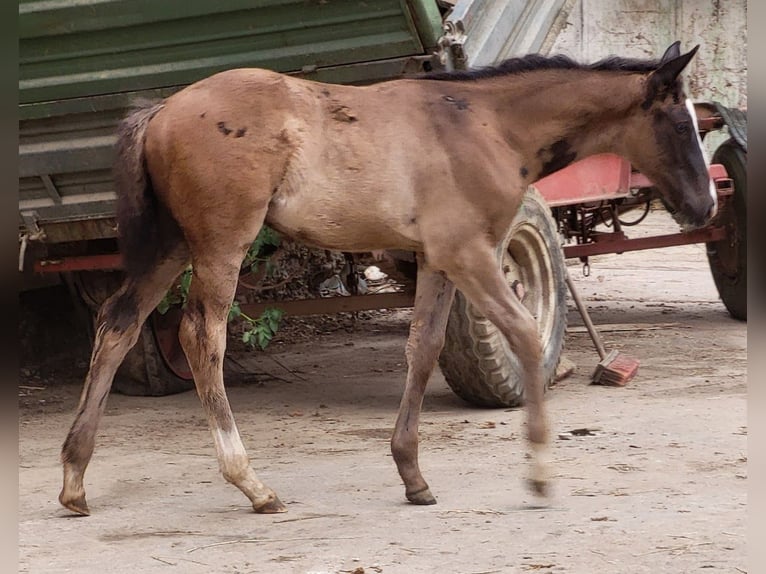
point(690, 221)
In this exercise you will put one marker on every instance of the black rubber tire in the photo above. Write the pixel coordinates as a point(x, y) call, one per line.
point(728, 257)
point(476, 361)
point(144, 371)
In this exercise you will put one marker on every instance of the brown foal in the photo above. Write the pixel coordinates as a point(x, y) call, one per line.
point(435, 165)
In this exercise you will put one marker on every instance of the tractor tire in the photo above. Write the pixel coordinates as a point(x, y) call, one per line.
point(477, 361)
point(155, 366)
point(728, 257)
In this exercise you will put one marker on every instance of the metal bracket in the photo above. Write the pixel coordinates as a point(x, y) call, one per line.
point(34, 232)
point(452, 46)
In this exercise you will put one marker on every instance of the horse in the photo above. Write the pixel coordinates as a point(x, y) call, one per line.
point(435, 164)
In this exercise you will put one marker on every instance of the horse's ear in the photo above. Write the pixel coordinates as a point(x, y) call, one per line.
point(672, 52)
point(665, 76)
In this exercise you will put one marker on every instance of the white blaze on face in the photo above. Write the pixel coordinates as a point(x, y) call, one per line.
point(693, 114)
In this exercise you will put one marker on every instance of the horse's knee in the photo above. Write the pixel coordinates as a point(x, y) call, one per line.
point(537, 430)
point(421, 354)
point(524, 337)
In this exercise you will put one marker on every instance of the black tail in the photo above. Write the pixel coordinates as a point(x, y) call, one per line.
point(145, 228)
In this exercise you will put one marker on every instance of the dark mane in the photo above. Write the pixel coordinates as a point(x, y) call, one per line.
point(532, 62)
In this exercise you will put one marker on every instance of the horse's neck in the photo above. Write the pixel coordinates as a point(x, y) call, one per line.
point(559, 118)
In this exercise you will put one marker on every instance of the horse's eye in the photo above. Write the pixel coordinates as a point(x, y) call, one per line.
point(682, 127)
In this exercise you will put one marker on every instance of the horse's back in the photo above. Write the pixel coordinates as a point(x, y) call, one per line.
point(341, 167)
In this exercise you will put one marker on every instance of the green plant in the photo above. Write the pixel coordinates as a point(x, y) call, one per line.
point(178, 294)
point(263, 246)
point(258, 332)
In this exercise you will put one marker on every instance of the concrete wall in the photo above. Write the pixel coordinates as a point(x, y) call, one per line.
point(592, 29)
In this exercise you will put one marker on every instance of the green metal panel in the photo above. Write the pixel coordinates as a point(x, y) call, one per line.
point(83, 62)
point(427, 19)
point(75, 48)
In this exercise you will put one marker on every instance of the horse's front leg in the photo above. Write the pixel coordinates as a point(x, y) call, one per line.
point(474, 269)
point(203, 337)
point(433, 300)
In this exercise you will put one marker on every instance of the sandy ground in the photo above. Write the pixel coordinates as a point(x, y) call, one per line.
point(653, 479)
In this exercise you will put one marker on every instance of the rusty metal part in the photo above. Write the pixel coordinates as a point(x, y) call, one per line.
point(165, 329)
point(618, 243)
point(110, 261)
point(579, 220)
point(331, 305)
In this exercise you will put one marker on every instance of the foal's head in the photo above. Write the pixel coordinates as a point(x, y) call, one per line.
point(667, 147)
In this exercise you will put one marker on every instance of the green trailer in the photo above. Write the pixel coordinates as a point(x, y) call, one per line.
point(82, 64)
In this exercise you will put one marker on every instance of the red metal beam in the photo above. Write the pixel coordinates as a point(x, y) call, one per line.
point(332, 305)
point(606, 245)
point(80, 263)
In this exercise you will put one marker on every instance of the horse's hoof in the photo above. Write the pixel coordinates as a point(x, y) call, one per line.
point(539, 487)
point(272, 506)
point(422, 497)
point(76, 505)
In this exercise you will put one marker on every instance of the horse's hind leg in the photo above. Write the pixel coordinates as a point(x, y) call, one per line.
point(433, 300)
point(118, 325)
point(203, 337)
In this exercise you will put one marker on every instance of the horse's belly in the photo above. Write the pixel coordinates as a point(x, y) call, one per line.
point(324, 219)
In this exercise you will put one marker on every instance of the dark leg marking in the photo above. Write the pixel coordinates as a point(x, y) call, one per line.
point(223, 129)
point(240, 132)
point(217, 405)
point(122, 313)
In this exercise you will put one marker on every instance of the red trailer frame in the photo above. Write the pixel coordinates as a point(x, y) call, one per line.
point(607, 177)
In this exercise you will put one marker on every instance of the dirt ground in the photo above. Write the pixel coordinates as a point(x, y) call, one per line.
point(649, 478)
